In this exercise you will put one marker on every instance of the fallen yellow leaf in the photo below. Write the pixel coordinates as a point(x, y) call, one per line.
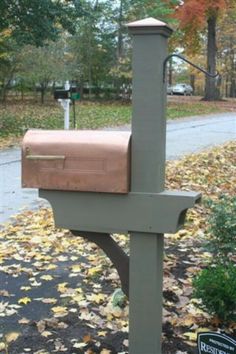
point(46, 334)
point(97, 298)
point(60, 311)
point(11, 337)
point(73, 310)
point(36, 239)
point(24, 321)
point(25, 288)
point(191, 336)
point(41, 325)
point(78, 298)
point(2, 346)
point(94, 270)
point(76, 268)
point(126, 342)
point(102, 334)
point(49, 300)
point(46, 277)
point(24, 300)
point(62, 287)
point(4, 293)
point(203, 329)
point(79, 345)
point(73, 258)
point(62, 258)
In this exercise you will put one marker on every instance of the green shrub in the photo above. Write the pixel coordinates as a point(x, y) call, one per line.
point(216, 287)
point(222, 228)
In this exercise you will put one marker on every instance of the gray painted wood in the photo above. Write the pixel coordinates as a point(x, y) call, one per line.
point(113, 213)
point(145, 309)
point(148, 175)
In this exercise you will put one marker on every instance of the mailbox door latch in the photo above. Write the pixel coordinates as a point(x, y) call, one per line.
point(45, 157)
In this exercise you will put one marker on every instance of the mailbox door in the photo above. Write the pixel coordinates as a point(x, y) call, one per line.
point(95, 161)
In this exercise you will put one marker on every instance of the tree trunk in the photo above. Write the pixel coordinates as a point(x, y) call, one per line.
point(4, 94)
point(227, 86)
point(192, 82)
point(170, 76)
point(22, 90)
point(119, 47)
point(5, 88)
point(211, 90)
point(90, 62)
point(42, 90)
point(81, 87)
point(232, 92)
point(120, 34)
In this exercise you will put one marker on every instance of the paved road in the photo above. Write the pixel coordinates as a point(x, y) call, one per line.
point(183, 137)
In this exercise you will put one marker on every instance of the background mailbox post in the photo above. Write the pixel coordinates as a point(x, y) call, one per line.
point(146, 210)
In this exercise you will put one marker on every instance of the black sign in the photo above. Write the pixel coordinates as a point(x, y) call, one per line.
point(215, 343)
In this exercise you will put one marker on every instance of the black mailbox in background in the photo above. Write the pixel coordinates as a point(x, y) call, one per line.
point(73, 94)
point(62, 94)
point(66, 97)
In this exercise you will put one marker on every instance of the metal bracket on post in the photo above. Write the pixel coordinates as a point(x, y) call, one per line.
point(187, 61)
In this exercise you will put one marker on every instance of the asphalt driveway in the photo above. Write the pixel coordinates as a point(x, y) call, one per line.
point(184, 136)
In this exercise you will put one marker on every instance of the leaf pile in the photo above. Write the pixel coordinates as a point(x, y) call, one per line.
point(212, 173)
point(56, 289)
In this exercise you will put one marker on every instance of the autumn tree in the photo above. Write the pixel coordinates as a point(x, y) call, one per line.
point(227, 50)
point(196, 18)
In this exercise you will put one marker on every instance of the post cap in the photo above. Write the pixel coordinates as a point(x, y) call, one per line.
point(150, 25)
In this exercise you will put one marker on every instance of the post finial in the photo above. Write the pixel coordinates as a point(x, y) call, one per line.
point(150, 25)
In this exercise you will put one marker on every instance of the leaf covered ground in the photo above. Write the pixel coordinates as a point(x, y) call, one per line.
point(56, 289)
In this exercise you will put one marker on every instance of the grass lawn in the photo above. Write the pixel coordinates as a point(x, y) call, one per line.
point(180, 107)
point(17, 117)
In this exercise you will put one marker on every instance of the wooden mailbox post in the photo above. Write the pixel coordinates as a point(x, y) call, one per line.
point(148, 175)
point(144, 209)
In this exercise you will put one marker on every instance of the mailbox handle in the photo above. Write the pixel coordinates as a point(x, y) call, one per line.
point(45, 157)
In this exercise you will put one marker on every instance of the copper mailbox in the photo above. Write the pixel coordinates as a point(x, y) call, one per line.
point(85, 160)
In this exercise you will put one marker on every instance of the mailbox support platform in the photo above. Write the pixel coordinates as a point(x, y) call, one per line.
point(146, 211)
